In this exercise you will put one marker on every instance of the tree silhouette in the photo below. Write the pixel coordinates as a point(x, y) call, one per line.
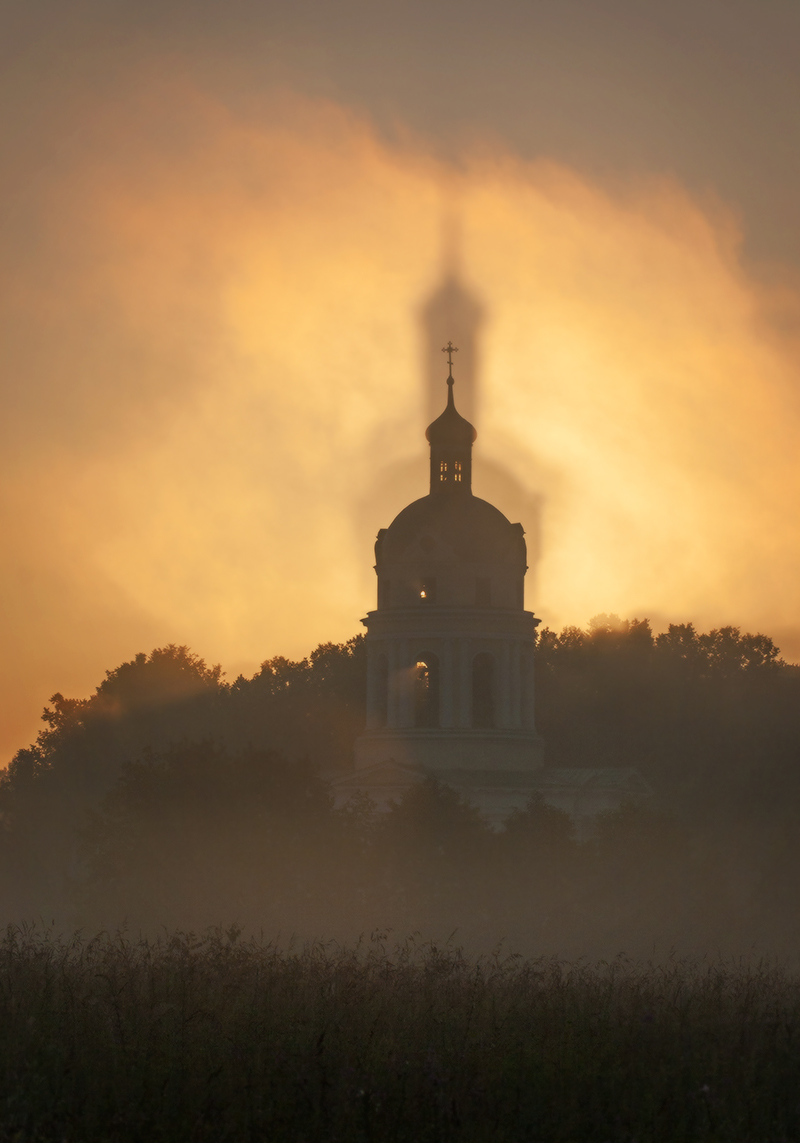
point(171, 796)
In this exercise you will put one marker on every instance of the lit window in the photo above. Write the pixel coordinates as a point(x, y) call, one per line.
point(427, 591)
point(457, 470)
point(443, 470)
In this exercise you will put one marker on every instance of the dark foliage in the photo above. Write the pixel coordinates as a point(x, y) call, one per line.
point(311, 709)
point(198, 833)
point(173, 798)
point(712, 720)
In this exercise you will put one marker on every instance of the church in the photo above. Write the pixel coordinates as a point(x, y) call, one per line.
point(450, 646)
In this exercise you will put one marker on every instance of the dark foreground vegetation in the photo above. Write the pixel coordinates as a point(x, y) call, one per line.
point(172, 799)
point(219, 1039)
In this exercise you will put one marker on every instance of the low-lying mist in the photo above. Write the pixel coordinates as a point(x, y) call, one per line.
point(173, 800)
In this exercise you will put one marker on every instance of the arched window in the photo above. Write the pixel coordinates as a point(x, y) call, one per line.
point(483, 691)
point(426, 691)
point(382, 690)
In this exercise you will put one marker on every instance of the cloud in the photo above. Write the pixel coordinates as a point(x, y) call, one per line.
point(212, 356)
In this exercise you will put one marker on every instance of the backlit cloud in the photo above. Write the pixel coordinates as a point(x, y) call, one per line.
point(213, 358)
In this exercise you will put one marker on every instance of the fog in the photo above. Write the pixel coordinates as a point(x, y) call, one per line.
point(230, 253)
point(214, 386)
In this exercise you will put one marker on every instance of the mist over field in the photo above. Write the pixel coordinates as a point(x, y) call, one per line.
point(172, 799)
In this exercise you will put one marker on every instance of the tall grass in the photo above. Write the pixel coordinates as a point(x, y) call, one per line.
point(213, 1037)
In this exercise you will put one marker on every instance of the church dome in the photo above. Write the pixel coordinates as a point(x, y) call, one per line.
point(450, 430)
point(471, 528)
point(451, 549)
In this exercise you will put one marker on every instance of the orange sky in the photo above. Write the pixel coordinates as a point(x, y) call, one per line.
point(213, 362)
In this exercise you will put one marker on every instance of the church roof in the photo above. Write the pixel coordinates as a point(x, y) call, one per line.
point(471, 527)
point(450, 430)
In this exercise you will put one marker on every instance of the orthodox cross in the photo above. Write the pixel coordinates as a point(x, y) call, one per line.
point(450, 349)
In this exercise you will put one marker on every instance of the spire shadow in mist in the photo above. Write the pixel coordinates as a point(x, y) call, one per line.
point(451, 313)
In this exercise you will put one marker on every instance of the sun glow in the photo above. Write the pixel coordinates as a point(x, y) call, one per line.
point(228, 352)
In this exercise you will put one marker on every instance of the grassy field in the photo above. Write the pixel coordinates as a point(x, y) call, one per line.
point(218, 1038)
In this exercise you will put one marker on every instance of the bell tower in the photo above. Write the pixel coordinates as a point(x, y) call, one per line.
point(451, 439)
point(450, 684)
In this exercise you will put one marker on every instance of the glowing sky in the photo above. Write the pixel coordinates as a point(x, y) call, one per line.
point(211, 371)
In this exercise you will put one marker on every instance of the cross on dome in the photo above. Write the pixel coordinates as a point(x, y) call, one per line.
point(450, 349)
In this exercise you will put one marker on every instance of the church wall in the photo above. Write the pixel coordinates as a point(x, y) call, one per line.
point(439, 752)
point(401, 585)
point(456, 655)
point(401, 638)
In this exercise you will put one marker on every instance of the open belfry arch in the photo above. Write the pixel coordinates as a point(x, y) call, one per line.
point(450, 645)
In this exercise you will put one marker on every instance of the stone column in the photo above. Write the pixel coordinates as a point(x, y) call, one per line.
point(464, 683)
point(372, 660)
point(393, 712)
point(528, 720)
point(405, 711)
point(504, 687)
point(456, 669)
point(447, 682)
point(514, 686)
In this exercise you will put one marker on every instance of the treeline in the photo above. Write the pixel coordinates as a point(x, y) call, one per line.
point(172, 798)
point(711, 719)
